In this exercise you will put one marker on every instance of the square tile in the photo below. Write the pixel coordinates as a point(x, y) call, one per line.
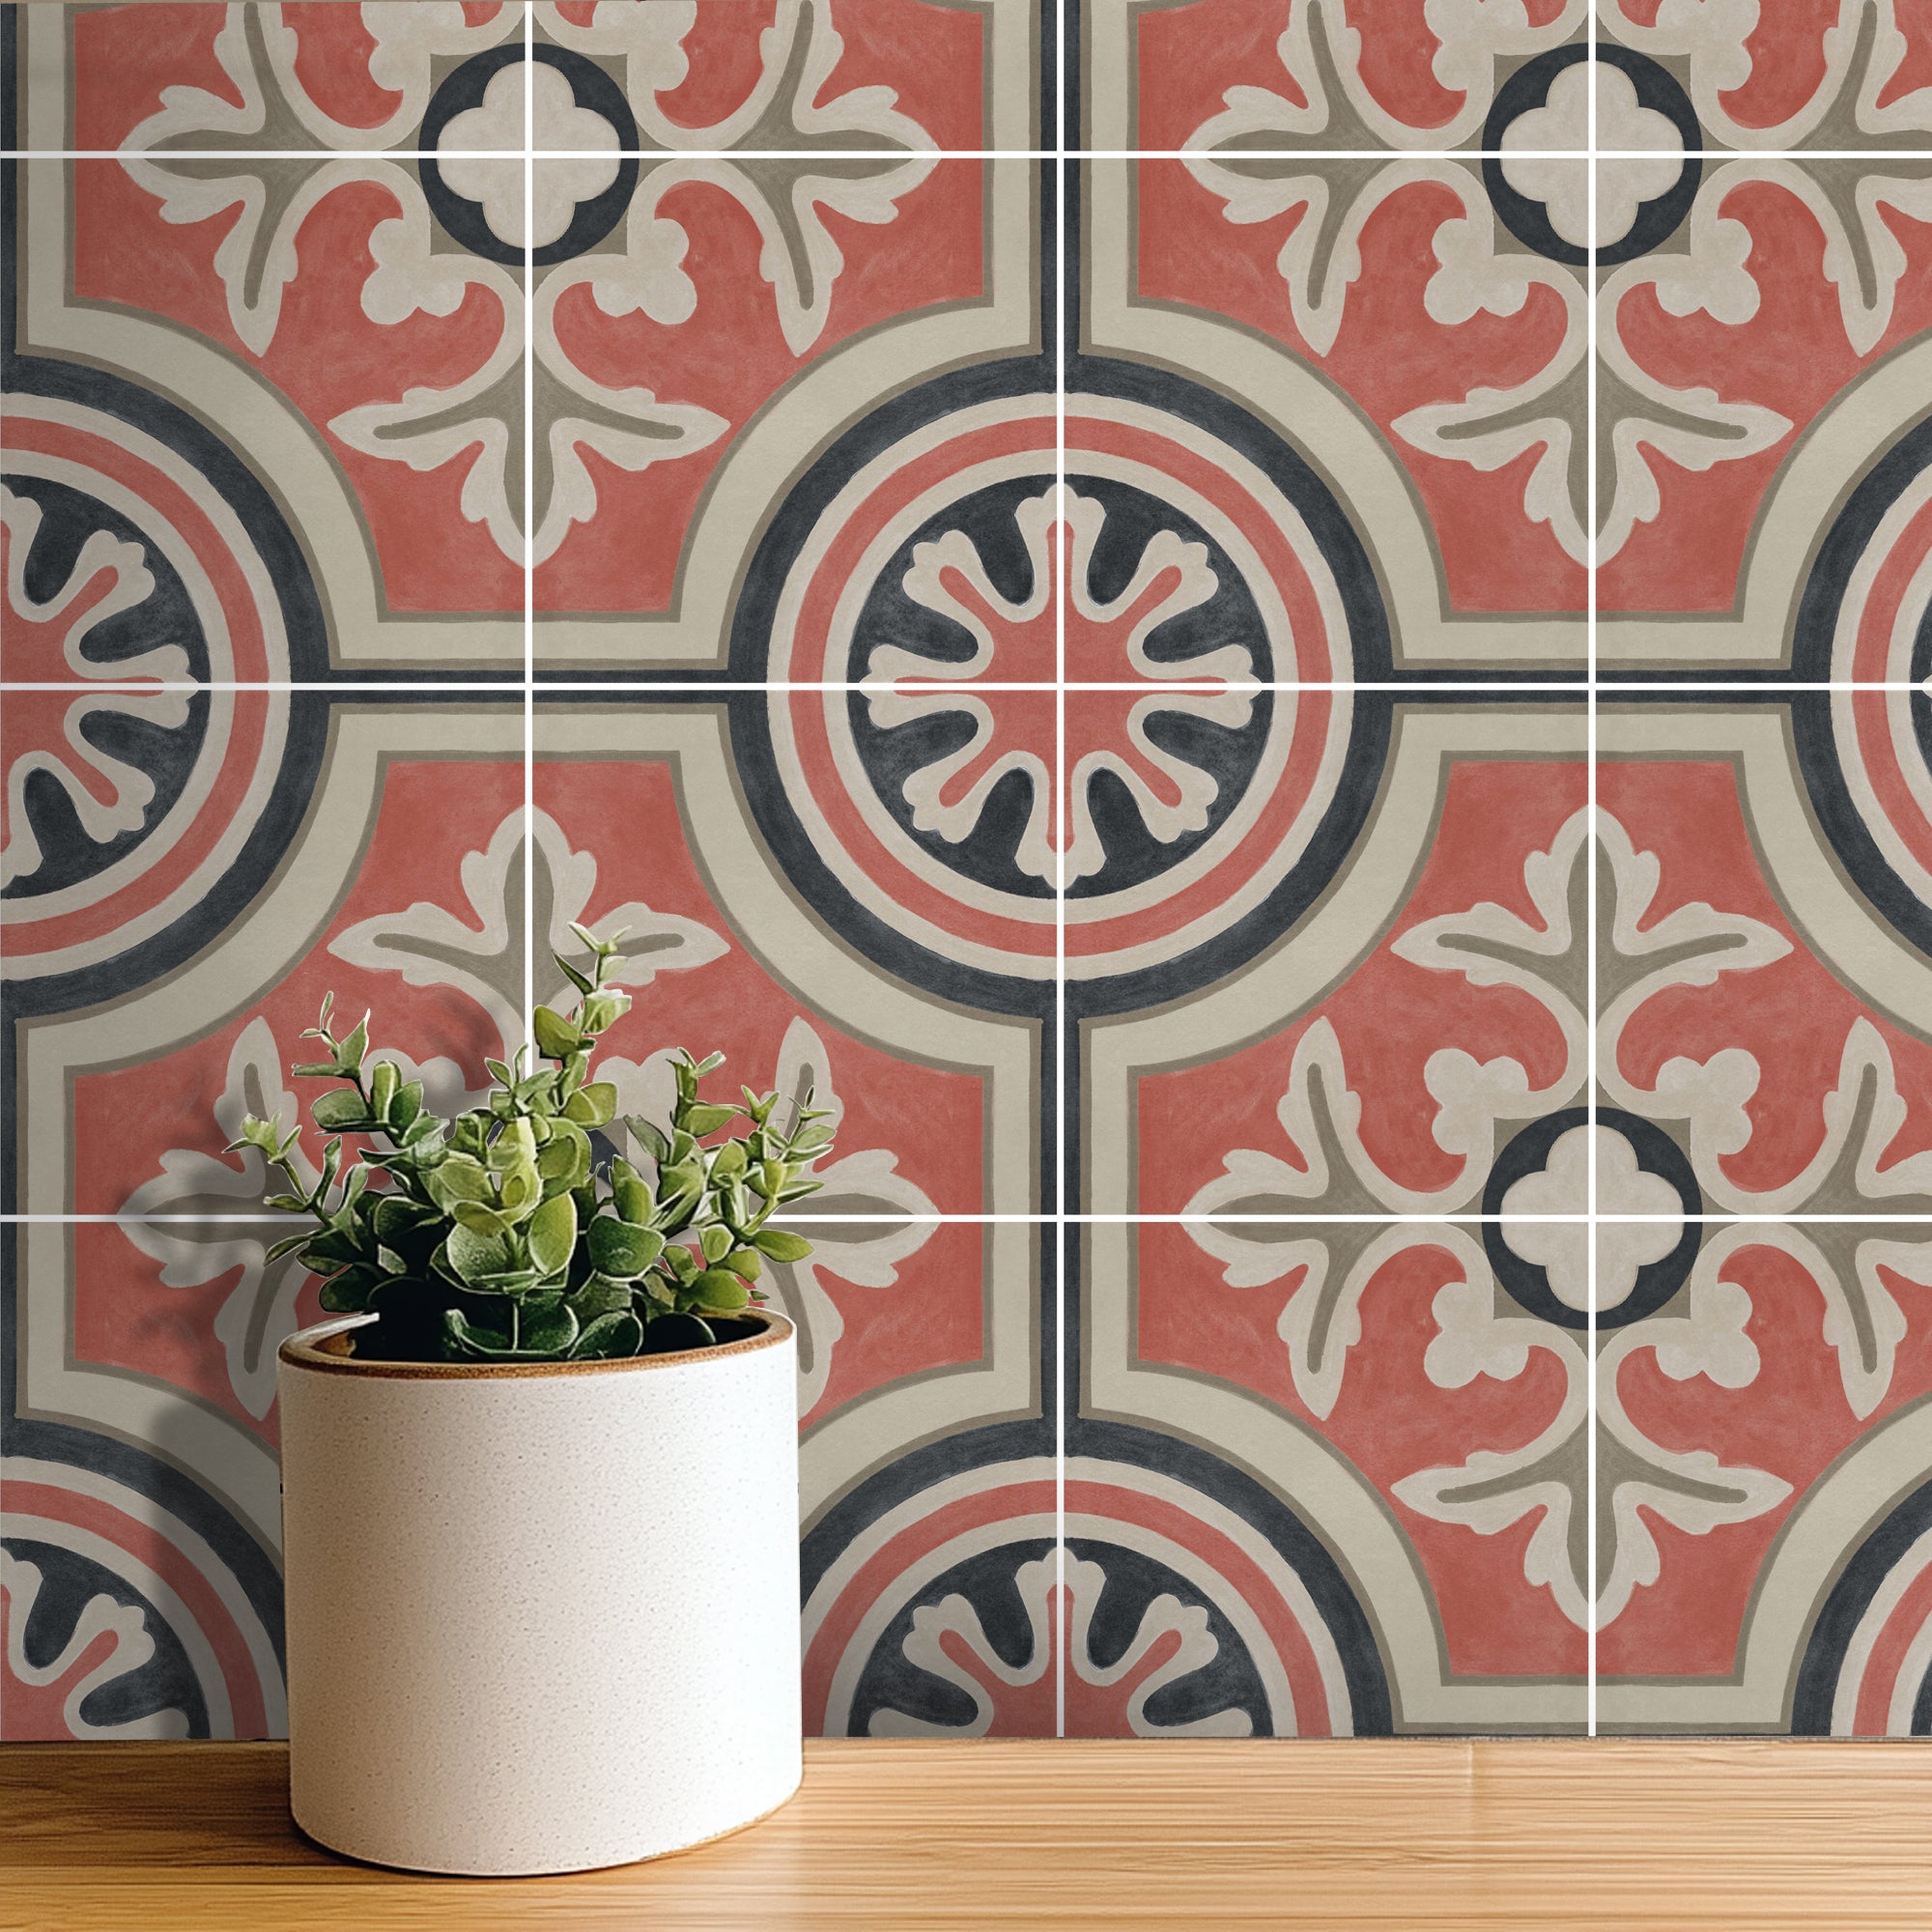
point(1760, 326)
point(1389, 76)
point(1762, 1481)
point(1371, 337)
point(413, 858)
point(813, 935)
point(928, 1491)
point(1804, 75)
point(1405, 997)
point(714, 519)
point(136, 816)
point(135, 1603)
point(1409, 1418)
point(338, 348)
point(1761, 1003)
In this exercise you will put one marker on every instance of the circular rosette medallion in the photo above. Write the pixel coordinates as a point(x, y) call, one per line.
point(1013, 689)
point(135, 603)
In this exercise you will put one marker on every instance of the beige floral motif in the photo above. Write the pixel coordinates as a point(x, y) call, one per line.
point(778, 180)
point(1643, 421)
point(1320, 57)
point(1478, 1329)
point(1863, 49)
point(1480, 1332)
point(202, 1217)
point(431, 946)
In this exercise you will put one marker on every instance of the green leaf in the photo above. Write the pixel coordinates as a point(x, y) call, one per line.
point(565, 1157)
point(484, 1220)
point(517, 1143)
point(683, 1177)
point(474, 1253)
point(579, 980)
point(395, 1218)
point(557, 1039)
point(720, 1290)
point(670, 1334)
point(520, 1190)
point(598, 1297)
point(715, 1243)
point(337, 1246)
point(699, 1120)
point(341, 1110)
point(385, 1078)
point(634, 1201)
point(267, 1135)
point(349, 1293)
point(601, 1011)
point(512, 1282)
point(648, 1137)
point(610, 1338)
point(621, 1251)
point(745, 1263)
point(472, 1337)
point(286, 1247)
point(592, 1106)
point(553, 1235)
point(732, 1159)
point(315, 1069)
point(710, 1063)
point(603, 948)
point(545, 1327)
point(782, 1246)
point(348, 1054)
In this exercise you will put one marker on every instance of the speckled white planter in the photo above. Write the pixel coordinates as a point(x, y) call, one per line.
point(540, 1617)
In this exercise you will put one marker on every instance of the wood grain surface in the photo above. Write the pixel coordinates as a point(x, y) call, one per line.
point(1764, 1835)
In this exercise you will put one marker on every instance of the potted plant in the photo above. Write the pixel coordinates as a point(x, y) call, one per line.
point(539, 1487)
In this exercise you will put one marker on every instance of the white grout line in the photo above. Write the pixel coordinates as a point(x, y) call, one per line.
point(1060, 802)
point(899, 156)
point(1590, 906)
point(529, 529)
point(644, 686)
point(1452, 1218)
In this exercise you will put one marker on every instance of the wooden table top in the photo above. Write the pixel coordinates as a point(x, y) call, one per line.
point(1762, 1835)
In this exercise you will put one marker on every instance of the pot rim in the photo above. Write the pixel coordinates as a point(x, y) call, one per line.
point(307, 1348)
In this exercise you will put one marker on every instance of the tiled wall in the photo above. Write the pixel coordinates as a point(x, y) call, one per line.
point(1381, 1015)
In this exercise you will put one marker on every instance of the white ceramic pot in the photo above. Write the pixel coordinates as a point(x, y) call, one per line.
point(542, 1616)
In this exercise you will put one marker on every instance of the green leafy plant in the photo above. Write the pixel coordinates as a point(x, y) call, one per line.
point(500, 1237)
